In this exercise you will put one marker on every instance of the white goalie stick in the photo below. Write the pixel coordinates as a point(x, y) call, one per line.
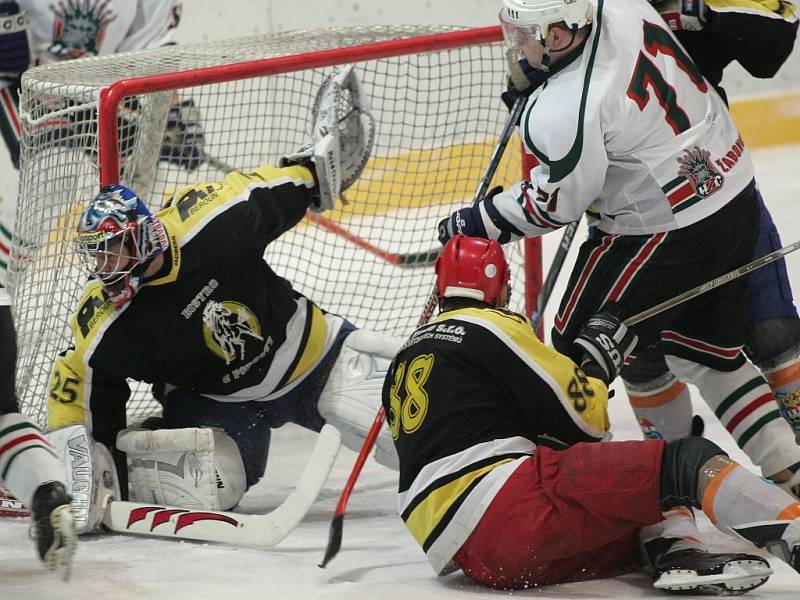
point(261, 530)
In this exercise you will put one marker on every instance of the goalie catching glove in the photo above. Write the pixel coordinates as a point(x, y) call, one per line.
point(605, 342)
point(342, 135)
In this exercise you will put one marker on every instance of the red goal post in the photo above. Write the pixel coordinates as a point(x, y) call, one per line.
point(434, 92)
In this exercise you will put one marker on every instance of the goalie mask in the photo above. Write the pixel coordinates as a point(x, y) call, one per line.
point(118, 238)
point(475, 268)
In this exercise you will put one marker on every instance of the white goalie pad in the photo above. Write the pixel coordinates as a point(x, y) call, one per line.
point(196, 468)
point(352, 395)
point(91, 476)
point(342, 133)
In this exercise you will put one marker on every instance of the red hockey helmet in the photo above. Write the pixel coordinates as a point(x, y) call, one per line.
point(471, 267)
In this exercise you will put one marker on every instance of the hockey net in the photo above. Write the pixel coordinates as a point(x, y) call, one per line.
point(434, 96)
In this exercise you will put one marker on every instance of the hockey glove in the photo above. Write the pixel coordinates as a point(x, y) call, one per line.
point(15, 52)
point(605, 343)
point(535, 78)
point(184, 138)
point(465, 220)
point(689, 15)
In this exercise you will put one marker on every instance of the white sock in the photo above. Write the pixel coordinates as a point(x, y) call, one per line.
point(744, 404)
point(26, 458)
point(663, 407)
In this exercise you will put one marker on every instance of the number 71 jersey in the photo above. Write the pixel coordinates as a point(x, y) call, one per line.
point(628, 129)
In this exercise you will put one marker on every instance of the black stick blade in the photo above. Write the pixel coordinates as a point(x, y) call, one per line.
point(334, 540)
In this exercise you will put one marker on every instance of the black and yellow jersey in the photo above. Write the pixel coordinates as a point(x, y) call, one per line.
point(758, 34)
point(467, 398)
point(216, 319)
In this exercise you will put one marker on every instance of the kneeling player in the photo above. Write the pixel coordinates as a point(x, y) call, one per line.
point(488, 424)
point(183, 299)
point(28, 466)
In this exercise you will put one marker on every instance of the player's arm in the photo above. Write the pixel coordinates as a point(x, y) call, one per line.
point(557, 193)
point(153, 25)
point(759, 34)
point(15, 58)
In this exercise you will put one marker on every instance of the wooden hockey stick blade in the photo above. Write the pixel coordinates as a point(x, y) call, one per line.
point(238, 529)
point(337, 523)
point(714, 283)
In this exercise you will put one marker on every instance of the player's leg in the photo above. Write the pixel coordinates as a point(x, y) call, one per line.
point(28, 466)
point(567, 515)
point(10, 132)
point(773, 328)
point(661, 402)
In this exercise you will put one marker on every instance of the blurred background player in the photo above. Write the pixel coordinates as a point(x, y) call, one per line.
point(494, 480)
point(184, 300)
point(653, 199)
point(28, 466)
point(44, 31)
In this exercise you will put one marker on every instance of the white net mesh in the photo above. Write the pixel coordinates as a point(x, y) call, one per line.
point(437, 114)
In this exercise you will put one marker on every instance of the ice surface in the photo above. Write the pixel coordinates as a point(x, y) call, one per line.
point(379, 558)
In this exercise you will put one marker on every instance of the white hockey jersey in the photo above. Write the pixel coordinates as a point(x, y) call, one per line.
point(628, 130)
point(75, 28)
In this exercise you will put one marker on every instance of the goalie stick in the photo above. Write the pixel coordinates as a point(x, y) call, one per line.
point(405, 260)
point(337, 523)
point(261, 530)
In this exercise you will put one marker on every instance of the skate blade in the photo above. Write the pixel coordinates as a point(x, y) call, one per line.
point(737, 577)
point(59, 557)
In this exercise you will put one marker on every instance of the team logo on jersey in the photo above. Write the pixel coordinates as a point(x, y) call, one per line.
point(226, 328)
point(649, 430)
point(79, 27)
point(698, 168)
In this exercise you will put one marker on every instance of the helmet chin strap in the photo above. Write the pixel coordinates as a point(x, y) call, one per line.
point(545, 64)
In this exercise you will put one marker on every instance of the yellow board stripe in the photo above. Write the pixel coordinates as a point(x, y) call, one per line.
point(772, 120)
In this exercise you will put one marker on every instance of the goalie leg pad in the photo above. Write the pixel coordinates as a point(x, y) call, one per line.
point(352, 395)
point(91, 475)
point(342, 133)
point(197, 468)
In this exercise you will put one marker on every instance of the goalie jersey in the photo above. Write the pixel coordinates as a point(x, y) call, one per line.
point(467, 398)
point(216, 319)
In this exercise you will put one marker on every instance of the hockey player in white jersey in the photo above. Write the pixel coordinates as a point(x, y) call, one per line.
point(43, 31)
point(627, 129)
point(28, 466)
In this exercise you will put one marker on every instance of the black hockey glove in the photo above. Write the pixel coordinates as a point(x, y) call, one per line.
point(184, 138)
point(15, 53)
point(605, 343)
point(689, 15)
point(465, 220)
point(535, 77)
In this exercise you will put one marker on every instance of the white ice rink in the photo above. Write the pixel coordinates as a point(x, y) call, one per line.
point(379, 558)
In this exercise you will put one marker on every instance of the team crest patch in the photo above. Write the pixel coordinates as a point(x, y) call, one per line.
point(696, 165)
point(649, 430)
point(80, 26)
point(226, 328)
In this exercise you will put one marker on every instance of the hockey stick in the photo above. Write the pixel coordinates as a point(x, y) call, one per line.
point(337, 523)
point(714, 283)
point(407, 260)
point(553, 272)
point(239, 529)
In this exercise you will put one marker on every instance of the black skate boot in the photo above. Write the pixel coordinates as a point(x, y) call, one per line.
point(780, 538)
point(54, 527)
point(695, 571)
